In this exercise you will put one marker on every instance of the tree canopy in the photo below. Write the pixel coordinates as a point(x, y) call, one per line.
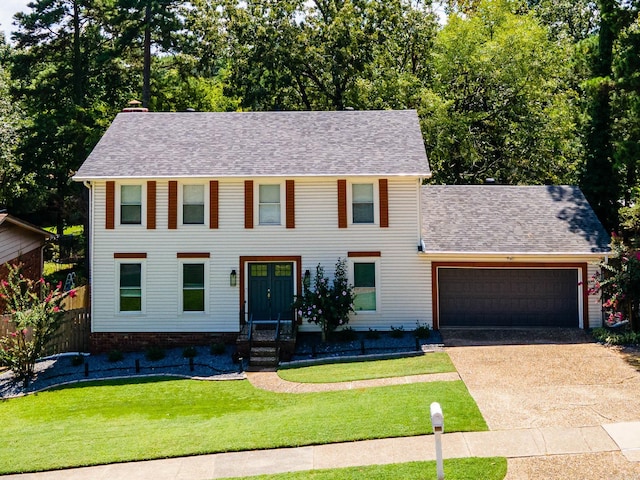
point(524, 91)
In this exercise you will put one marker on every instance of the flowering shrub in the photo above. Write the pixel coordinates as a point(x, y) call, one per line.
point(619, 285)
point(327, 305)
point(36, 310)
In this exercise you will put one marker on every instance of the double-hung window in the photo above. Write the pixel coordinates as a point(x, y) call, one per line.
point(193, 287)
point(364, 286)
point(131, 204)
point(362, 203)
point(130, 289)
point(193, 204)
point(269, 204)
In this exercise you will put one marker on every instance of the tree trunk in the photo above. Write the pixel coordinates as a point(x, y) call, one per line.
point(146, 72)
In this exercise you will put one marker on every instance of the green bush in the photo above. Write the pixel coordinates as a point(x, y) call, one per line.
point(36, 313)
point(77, 360)
point(397, 332)
point(115, 356)
point(189, 352)
point(422, 331)
point(347, 334)
point(611, 337)
point(372, 334)
point(154, 353)
point(218, 348)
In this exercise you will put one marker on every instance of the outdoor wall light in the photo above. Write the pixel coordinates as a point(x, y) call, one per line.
point(307, 279)
point(233, 278)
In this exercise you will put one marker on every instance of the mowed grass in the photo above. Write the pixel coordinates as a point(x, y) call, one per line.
point(493, 468)
point(437, 362)
point(129, 420)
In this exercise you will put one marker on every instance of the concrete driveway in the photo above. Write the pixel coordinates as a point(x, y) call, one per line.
point(544, 378)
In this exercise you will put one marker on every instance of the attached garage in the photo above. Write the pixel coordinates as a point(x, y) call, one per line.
point(511, 256)
point(508, 297)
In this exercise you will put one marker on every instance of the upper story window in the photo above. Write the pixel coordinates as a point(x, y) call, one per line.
point(269, 205)
point(131, 204)
point(130, 287)
point(193, 204)
point(362, 203)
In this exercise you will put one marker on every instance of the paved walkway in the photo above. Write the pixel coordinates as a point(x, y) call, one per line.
point(271, 381)
point(534, 442)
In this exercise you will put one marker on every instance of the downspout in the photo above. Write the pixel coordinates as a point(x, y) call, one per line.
point(420, 245)
point(91, 211)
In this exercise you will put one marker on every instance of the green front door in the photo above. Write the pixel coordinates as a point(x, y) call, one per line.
point(271, 291)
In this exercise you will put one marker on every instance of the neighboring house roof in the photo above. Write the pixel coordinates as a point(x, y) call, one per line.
point(6, 218)
point(259, 144)
point(510, 219)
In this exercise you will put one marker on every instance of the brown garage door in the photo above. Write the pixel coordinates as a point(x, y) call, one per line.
point(501, 297)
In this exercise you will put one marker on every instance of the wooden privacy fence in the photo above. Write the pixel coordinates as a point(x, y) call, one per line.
point(73, 335)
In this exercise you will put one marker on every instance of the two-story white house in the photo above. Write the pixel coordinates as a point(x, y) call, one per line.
point(202, 221)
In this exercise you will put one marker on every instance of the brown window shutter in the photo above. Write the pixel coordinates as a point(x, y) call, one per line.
point(342, 204)
point(383, 185)
point(173, 205)
point(151, 205)
point(248, 204)
point(213, 204)
point(290, 187)
point(110, 206)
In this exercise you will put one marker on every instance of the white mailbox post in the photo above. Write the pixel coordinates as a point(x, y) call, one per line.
point(437, 422)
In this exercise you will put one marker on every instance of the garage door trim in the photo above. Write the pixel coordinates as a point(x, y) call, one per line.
point(582, 267)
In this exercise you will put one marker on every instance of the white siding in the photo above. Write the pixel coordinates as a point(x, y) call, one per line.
point(404, 281)
point(594, 302)
point(16, 241)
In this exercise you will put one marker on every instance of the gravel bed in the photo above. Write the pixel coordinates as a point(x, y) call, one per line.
point(310, 345)
point(58, 370)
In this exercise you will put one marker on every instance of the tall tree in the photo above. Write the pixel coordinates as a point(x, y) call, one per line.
point(11, 118)
point(144, 24)
point(601, 178)
point(68, 82)
point(298, 54)
point(499, 106)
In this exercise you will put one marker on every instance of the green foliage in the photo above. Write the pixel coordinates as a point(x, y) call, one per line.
point(154, 353)
point(619, 285)
point(115, 356)
point(327, 55)
point(77, 360)
point(372, 334)
point(327, 305)
point(397, 332)
point(616, 337)
point(498, 106)
point(346, 334)
point(36, 311)
point(436, 362)
point(491, 468)
point(218, 348)
point(189, 352)
point(422, 331)
point(12, 183)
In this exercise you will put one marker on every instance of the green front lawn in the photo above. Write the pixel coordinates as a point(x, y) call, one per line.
point(454, 469)
point(128, 420)
point(438, 362)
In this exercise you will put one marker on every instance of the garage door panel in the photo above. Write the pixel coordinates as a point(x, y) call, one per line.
point(508, 297)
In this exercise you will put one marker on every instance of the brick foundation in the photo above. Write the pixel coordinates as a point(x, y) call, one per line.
point(104, 342)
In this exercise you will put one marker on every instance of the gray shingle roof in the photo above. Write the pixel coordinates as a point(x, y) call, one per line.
point(250, 144)
point(510, 219)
